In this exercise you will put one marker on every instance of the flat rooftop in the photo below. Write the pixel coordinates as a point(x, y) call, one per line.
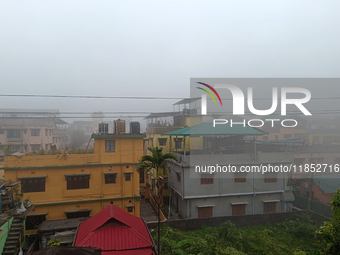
point(101, 136)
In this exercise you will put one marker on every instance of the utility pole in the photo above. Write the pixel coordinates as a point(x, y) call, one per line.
point(159, 229)
point(310, 191)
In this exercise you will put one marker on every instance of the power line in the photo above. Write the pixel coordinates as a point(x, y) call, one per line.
point(143, 116)
point(95, 97)
point(139, 97)
point(135, 112)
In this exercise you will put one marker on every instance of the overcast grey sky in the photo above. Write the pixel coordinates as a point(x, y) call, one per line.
point(152, 48)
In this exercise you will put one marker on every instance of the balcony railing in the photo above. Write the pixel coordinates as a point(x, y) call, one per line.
point(16, 139)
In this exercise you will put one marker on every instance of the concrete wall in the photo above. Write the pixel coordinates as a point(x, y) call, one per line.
point(224, 184)
point(225, 159)
point(239, 221)
point(224, 190)
point(222, 206)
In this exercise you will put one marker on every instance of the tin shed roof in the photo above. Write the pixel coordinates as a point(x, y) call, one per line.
point(328, 184)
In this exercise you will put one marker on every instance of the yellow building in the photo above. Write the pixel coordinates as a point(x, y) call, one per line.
point(277, 132)
point(79, 185)
point(154, 132)
point(160, 123)
point(324, 136)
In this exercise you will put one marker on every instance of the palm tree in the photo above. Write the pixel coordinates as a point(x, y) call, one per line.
point(158, 161)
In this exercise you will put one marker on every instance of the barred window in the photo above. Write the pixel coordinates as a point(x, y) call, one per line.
point(78, 182)
point(162, 141)
point(240, 177)
point(269, 207)
point(110, 178)
point(207, 179)
point(35, 132)
point(109, 145)
point(270, 177)
point(32, 185)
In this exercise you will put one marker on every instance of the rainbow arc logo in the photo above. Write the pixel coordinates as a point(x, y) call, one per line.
point(209, 93)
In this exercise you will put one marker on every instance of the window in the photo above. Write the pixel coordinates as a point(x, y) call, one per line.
point(178, 143)
point(78, 214)
point(270, 177)
point(204, 212)
point(127, 177)
point(269, 207)
point(46, 146)
point(46, 132)
point(32, 185)
point(130, 209)
point(162, 141)
point(13, 133)
point(207, 179)
point(35, 147)
point(78, 182)
point(240, 177)
point(178, 177)
point(239, 209)
point(2, 131)
point(141, 176)
point(35, 132)
point(33, 221)
point(110, 177)
point(109, 145)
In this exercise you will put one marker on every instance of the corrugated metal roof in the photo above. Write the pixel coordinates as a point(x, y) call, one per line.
point(288, 140)
point(147, 251)
point(208, 129)
point(113, 229)
point(327, 184)
point(187, 101)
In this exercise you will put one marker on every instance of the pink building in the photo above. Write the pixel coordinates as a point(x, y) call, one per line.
point(31, 130)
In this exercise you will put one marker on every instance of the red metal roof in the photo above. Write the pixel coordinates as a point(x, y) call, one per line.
point(147, 251)
point(113, 229)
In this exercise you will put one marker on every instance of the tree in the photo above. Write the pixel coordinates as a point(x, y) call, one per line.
point(328, 236)
point(7, 149)
point(158, 161)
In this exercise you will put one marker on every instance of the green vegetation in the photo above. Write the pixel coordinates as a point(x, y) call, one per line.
point(17, 196)
point(291, 237)
point(157, 160)
point(59, 152)
point(53, 242)
point(328, 236)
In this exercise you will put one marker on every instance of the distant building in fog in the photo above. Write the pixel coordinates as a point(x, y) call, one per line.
point(30, 130)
